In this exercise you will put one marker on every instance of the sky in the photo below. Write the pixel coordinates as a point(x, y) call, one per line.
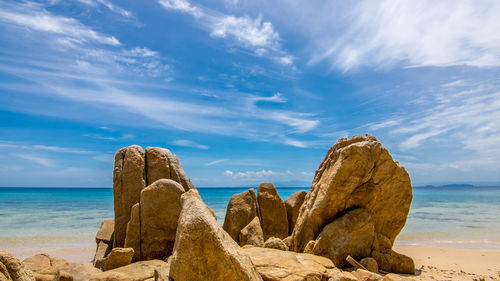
point(247, 91)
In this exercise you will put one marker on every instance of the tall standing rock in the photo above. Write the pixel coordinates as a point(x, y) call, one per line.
point(241, 209)
point(356, 173)
point(273, 217)
point(203, 250)
point(293, 204)
point(160, 208)
point(163, 164)
point(128, 180)
point(133, 237)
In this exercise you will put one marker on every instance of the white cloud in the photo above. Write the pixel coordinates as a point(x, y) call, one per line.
point(182, 6)
point(33, 16)
point(189, 143)
point(296, 143)
point(250, 33)
point(106, 158)
point(37, 159)
point(215, 162)
point(278, 98)
point(412, 33)
point(42, 147)
point(228, 173)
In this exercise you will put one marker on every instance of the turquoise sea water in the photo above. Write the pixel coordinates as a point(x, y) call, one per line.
point(69, 217)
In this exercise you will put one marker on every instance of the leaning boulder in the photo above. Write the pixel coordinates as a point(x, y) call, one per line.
point(160, 208)
point(203, 250)
point(252, 234)
point(356, 173)
point(12, 269)
point(280, 265)
point(106, 232)
point(293, 204)
point(101, 253)
point(241, 209)
point(163, 164)
point(129, 178)
point(272, 212)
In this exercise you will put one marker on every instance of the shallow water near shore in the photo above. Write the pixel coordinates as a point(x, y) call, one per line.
point(64, 218)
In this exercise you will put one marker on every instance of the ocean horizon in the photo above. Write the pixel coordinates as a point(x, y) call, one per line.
point(66, 218)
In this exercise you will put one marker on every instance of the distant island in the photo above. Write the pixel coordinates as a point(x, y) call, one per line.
point(454, 185)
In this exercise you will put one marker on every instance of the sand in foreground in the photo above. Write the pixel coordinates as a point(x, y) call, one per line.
point(432, 263)
point(435, 263)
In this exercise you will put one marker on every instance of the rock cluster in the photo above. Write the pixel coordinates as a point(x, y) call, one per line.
point(357, 204)
point(252, 219)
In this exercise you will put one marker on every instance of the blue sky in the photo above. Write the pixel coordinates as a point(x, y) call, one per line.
point(247, 91)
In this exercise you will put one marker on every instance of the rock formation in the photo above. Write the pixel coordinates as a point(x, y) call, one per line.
point(273, 216)
point(118, 257)
point(275, 243)
point(252, 234)
point(357, 173)
point(129, 178)
point(138, 271)
point(293, 204)
point(241, 209)
point(203, 250)
point(49, 268)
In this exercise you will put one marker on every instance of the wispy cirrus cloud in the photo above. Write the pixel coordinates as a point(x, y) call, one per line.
point(33, 16)
point(37, 159)
point(189, 143)
point(112, 7)
point(249, 33)
point(50, 148)
point(412, 34)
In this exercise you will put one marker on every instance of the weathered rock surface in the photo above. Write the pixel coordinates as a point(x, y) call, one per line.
point(163, 164)
point(356, 173)
point(241, 209)
point(352, 234)
point(138, 271)
point(273, 217)
point(370, 264)
point(133, 237)
point(119, 257)
point(160, 208)
point(203, 250)
point(292, 205)
point(275, 243)
point(364, 275)
point(12, 269)
point(338, 275)
point(129, 178)
point(280, 265)
point(103, 249)
point(106, 232)
point(252, 234)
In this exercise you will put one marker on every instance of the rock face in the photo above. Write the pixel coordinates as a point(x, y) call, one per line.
point(280, 265)
point(129, 178)
point(12, 269)
point(357, 173)
point(252, 234)
point(119, 257)
point(160, 208)
point(272, 212)
point(292, 205)
point(106, 232)
point(46, 268)
point(241, 209)
point(352, 234)
point(203, 250)
point(163, 164)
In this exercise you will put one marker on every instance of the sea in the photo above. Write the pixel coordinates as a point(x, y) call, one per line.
point(64, 218)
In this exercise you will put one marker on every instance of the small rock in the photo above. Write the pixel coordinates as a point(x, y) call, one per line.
point(119, 257)
point(288, 242)
point(138, 271)
point(252, 234)
point(102, 251)
point(339, 275)
point(64, 276)
point(275, 243)
point(370, 264)
point(310, 247)
point(14, 268)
